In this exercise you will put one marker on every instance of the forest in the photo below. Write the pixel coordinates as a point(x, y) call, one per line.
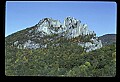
point(66, 60)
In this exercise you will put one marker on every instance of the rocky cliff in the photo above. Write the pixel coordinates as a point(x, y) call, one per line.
point(49, 30)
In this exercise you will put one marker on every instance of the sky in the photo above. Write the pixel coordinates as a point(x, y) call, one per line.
point(101, 17)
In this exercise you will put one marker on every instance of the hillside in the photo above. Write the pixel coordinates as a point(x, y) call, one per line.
point(53, 49)
point(108, 39)
point(65, 60)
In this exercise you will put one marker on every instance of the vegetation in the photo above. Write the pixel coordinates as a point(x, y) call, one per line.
point(68, 59)
point(108, 39)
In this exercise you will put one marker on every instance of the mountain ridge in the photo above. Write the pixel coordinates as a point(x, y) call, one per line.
point(108, 39)
point(34, 52)
point(48, 29)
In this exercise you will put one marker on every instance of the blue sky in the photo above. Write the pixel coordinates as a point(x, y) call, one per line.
point(99, 16)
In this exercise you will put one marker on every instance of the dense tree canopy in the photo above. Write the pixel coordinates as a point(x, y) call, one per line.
point(68, 59)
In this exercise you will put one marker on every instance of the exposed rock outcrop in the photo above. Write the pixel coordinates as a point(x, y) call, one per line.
point(70, 29)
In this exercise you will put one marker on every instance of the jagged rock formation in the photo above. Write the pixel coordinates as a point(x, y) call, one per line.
point(71, 29)
point(89, 46)
point(75, 28)
point(49, 26)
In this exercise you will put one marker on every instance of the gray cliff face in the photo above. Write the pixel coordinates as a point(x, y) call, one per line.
point(49, 26)
point(71, 28)
point(75, 28)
